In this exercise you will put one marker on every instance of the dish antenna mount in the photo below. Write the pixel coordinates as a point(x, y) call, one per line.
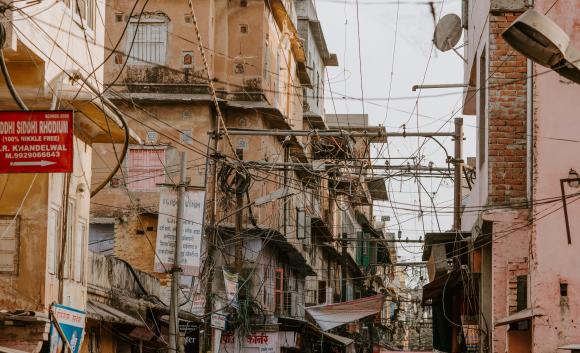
point(447, 33)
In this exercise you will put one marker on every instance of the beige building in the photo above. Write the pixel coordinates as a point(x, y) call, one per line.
point(45, 217)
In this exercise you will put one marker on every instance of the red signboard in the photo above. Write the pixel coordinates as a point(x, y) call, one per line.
point(36, 141)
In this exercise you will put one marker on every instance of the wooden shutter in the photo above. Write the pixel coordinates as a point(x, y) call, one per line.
point(278, 289)
point(321, 292)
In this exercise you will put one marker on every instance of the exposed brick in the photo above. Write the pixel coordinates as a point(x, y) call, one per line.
point(507, 116)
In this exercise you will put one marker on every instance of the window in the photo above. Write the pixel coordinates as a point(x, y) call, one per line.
point(102, 238)
point(187, 137)
point(146, 169)
point(321, 292)
point(146, 41)
point(563, 289)
point(69, 245)
point(482, 133)
point(79, 251)
point(186, 115)
point(522, 293)
point(244, 29)
point(53, 236)
point(86, 9)
point(278, 289)
point(300, 223)
point(187, 19)
point(119, 17)
point(9, 233)
point(266, 61)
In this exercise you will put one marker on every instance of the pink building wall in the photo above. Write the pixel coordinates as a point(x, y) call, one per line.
point(557, 125)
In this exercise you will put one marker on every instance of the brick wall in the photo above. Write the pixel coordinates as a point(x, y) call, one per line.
point(516, 267)
point(507, 116)
point(135, 239)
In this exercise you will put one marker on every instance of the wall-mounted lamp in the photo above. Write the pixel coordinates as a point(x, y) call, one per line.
point(573, 179)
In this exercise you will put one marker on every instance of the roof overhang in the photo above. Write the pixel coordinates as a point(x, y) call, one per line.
point(442, 238)
point(378, 189)
point(435, 289)
point(106, 313)
point(109, 125)
point(522, 315)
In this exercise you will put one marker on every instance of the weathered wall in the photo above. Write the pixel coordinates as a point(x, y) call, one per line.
point(556, 261)
point(510, 245)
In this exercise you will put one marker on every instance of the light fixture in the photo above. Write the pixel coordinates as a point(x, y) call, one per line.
point(573, 179)
point(540, 39)
point(400, 234)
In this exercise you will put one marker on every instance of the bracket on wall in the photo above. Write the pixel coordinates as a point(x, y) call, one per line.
point(565, 206)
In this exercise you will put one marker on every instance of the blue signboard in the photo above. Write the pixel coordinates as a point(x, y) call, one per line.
point(72, 323)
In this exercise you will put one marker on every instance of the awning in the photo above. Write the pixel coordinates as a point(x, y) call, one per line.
point(434, 289)
point(301, 325)
point(103, 312)
point(345, 341)
point(522, 315)
point(329, 316)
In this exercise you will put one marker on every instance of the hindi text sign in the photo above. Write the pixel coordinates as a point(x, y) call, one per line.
point(192, 231)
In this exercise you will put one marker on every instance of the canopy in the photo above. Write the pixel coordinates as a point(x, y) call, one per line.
point(329, 316)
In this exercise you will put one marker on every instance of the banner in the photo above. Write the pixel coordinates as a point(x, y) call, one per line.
point(72, 323)
point(332, 315)
point(192, 231)
point(231, 284)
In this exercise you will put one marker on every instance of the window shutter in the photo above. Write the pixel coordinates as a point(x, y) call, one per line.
point(321, 292)
point(278, 289)
point(10, 231)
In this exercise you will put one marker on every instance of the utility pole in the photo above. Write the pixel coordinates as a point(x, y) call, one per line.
point(210, 243)
point(174, 345)
point(286, 158)
point(458, 161)
point(239, 220)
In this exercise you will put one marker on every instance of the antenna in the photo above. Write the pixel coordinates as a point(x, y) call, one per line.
point(447, 33)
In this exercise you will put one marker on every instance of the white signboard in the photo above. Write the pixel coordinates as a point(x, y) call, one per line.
point(231, 284)
point(192, 231)
point(218, 321)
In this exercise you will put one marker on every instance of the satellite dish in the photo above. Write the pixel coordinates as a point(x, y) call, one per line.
point(447, 32)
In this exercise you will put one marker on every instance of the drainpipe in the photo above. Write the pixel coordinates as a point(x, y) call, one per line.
point(529, 130)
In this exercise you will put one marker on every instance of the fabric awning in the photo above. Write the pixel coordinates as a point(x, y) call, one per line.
point(329, 316)
point(521, 315)
point(104, 312)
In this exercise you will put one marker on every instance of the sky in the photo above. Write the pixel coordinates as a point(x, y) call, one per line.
point(415, 61)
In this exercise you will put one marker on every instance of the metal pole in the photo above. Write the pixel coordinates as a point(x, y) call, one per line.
point(174, 345)
point(443, 85)
point(333, 133)
point(458, 161)
point(286, 157)
point(239, 223)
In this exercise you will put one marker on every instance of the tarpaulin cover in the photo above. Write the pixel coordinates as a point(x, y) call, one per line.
point(329, 316)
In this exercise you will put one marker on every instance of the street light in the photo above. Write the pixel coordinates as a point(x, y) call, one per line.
point(540, 39)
